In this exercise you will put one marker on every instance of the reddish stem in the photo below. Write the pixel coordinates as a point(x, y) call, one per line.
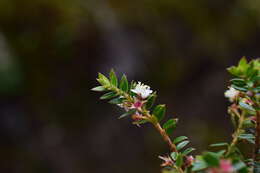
point(166, 138)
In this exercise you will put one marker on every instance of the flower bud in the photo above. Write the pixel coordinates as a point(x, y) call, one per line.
point(253, 118)
point(250, 93)
point(137, 117)
point(226, 166)
point(189, 160)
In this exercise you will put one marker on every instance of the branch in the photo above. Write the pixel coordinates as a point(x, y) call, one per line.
point(166, 138)
point(236, 133)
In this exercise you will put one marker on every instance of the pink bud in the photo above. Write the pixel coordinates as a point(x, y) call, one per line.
point(253, 118)
point(190, 158)
point(226, 166)
point(250, 93)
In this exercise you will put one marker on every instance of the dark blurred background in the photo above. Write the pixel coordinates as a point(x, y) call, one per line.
point(51, 51)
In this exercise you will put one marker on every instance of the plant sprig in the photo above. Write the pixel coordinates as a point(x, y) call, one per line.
point(138, 99)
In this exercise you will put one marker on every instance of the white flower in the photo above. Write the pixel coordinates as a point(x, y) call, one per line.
point(142, 90)
point(231, 93)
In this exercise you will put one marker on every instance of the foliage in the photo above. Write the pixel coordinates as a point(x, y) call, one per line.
point(137, 100)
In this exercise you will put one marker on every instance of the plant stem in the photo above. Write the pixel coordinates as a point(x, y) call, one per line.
point(178, 169)
point(167, 139)
point(158, 127)
point(257, 137)
point(165, 136)
point(236, 134)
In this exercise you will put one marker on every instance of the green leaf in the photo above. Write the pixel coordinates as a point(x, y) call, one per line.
point(243, 63)
point(140, 122)
point(239, 165)
point(240, 88)
point(116, 101)
point(245, 106)
point(256, 167)
point(211, 158)
point(199, 164)
point(238, 82)
point(108, 95)
point(113, 78)
point(246, 136)
point(250, 84)
point(233, 70)
point(132, 84)
point(248, 123)
point(241, 69)
point(187, 151)
point(124, 84)
point(256, 78)
point(179, 139)
point(220, 153)
point(98, 89)
point(182, 144)
point(253, 74)
point(221, 144)
point(257, 89)
point(170, 125)
point(159, 112)
point(130, 112)
point(103, 80)
point(179, 160)
point(150, 101)
point(174, 155)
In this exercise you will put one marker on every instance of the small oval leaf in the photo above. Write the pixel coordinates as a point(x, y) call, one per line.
point(221, 144)
point(113, 78)
point(159, 112)
point(245, 106)
point(108, 95)
point(182, 144)
point(187, 151)
point(170, 125)
point(116, 101)
point(179, 139)
point(98, 89)
point(124, 84)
